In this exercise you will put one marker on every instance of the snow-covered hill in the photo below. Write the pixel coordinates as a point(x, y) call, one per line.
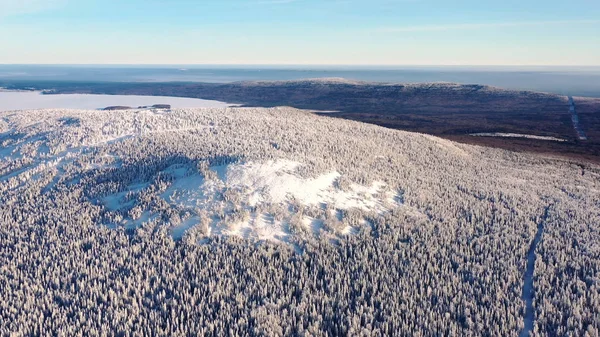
point(257, 173)
point(425, 216)
point(206, 171)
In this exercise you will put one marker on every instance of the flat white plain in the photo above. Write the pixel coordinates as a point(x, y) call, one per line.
point(26, 100)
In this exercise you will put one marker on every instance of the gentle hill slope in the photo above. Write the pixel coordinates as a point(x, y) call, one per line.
point(344, 226)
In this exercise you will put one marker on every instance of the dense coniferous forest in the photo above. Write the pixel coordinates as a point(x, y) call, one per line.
point(277, 222)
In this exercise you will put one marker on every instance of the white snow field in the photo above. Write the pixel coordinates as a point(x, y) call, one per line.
point(26, 100)
point(516, 135)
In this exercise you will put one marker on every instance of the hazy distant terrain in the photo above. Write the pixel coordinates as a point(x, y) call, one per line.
point(273, 222)
point(564, 80)
point(451, 111)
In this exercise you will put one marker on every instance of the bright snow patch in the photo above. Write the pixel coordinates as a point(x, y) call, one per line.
point(274, 182)
point(263, 184)
point(516, 135)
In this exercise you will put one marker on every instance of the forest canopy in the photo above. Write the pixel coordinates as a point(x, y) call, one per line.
point(277, 222)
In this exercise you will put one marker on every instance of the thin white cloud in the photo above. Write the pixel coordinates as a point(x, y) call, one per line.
point(474, 26)
point(17, 7)
point(327, 2)
point(274, 2)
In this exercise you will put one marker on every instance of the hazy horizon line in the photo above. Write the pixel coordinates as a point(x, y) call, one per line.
point(305, 65)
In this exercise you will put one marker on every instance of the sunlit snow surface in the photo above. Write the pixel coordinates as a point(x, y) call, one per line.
point(516, 135)
point(272, 182)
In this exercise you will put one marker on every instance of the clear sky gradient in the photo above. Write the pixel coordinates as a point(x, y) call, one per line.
point(359, 32)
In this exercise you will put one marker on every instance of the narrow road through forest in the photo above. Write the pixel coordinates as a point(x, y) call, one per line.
point(528, 290)
point(575, 119)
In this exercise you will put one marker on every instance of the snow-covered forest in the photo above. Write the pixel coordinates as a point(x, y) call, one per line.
point(277, 222)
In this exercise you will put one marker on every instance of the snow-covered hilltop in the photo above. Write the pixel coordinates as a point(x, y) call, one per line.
point(441, 230)
point(257, 173)
point(215, 172)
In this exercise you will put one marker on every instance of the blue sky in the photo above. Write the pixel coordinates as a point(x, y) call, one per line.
point(361, 32)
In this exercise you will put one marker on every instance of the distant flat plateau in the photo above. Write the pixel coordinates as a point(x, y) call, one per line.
point(565, 80)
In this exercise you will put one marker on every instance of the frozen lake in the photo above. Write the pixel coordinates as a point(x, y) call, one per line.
point(29, 100)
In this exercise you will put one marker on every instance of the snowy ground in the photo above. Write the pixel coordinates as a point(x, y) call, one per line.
point(516, 135)
point(259, 189)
